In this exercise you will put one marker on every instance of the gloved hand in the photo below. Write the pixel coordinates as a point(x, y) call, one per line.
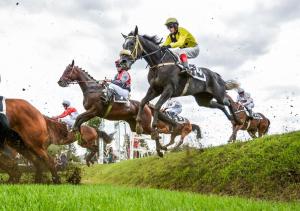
point(164, 48)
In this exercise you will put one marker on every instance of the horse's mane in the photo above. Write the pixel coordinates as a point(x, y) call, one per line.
point(155, 39)
point(82, 70)
point(56, 127)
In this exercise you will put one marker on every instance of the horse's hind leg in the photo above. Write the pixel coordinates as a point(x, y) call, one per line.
point(49, 163)
point(204, 99)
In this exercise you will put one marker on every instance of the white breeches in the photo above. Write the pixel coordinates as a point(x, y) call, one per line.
point(122, 92)
point(192, 52)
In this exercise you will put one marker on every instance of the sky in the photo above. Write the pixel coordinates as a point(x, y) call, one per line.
point(254, 42)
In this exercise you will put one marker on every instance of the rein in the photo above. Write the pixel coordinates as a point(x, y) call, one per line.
point(134, 53)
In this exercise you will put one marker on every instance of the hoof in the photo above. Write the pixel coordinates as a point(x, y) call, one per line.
point(160, 154)
point(164, 148)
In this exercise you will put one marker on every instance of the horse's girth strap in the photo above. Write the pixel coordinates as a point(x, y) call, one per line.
point(186, 87)
point(107, 110)
point(162, 65)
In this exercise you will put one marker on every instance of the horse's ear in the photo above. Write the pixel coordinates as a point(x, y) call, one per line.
point(136, 31)
point(124, 35)
point(72, 64)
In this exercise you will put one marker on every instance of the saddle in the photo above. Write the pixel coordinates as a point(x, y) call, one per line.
point(257, 116)
point(193, 71)
point(110, 96)
point(176, 118)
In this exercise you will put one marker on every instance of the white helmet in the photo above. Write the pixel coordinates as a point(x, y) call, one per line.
point(240, 90)
point(66, 102)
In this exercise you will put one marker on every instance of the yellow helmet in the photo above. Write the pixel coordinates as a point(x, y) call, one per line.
point(171, 20)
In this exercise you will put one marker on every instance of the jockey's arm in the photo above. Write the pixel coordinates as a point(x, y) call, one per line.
point(180, 42)
point(168, 41)
point(65, 113)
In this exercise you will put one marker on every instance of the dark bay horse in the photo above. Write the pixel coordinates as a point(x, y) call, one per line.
point(252, 126)
point(92, 93)
point(164, 78)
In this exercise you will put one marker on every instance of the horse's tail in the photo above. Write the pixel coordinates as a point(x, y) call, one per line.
point(269, 123)
point(197, 128)
point(231, 84)
point(107, 138)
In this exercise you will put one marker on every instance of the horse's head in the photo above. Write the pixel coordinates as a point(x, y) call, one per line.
point(132, 48)
point(69, 75)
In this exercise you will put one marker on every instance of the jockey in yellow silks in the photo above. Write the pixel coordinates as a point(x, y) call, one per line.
point(181, 42)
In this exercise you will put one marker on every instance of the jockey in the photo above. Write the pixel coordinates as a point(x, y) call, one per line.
point(69, 115)
point(121, 84)
point(181, 42)
point(245, 99)
point(173, 107)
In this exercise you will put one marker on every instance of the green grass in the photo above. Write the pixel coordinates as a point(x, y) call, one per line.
point(105, 197)
point(267, 168)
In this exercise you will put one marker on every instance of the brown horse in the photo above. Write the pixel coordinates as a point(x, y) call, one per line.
point(31, 126)
point(93, 93)
point(33, 133)
point(260, 125)
point(183, 130)
point(59, 135)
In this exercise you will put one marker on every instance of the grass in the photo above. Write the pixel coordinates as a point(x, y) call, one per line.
point(267, 168)
point(106, 197)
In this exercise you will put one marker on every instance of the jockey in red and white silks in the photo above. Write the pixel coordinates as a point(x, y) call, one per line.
point(69, 115)
point(121, 84)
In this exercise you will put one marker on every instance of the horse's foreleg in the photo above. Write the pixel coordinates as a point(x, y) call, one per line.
point(235, 129)
point(165, 95)
point(151, 94)
point(81, 118)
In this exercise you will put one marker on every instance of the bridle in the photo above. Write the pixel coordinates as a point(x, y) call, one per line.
point(134, 53)
point(67, 80)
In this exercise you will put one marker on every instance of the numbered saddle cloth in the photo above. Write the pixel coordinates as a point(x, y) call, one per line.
point(257, 116)
point(196, 72)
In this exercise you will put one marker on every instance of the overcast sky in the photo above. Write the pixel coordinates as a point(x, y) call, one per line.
point(253, 42)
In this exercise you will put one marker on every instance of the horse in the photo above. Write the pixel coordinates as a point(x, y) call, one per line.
point(93, 93)
point(30, 125)
point(183, 130)
point(31, 133)
point(165, 80)
point(260, 125)
point(59, 135)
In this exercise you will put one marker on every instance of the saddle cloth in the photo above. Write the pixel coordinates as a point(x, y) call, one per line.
point(177, 118)
point(257, 116)
point(197, 73)
point(2, 105)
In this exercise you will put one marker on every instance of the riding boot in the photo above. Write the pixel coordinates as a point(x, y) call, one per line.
point(250, 113)
point(185, 65)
